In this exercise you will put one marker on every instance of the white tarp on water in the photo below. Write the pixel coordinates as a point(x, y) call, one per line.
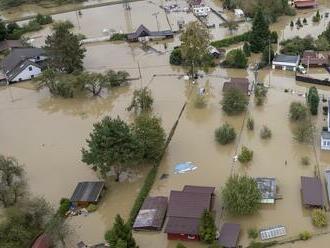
point(272, 232)
point(184, 167)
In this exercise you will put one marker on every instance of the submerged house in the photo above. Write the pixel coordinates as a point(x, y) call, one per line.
point(267, 187)
point(241, 84)
point(311, 192)
point(304, 3)
point(143, 33)
point(229, 235)
point(286, 62)
point(325, 134)
point(185, 210)
point(315, 59)
point(23, 64)
point(152, 214)
point(87, 193)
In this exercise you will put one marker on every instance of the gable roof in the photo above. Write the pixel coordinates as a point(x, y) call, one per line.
point(229, 235)
point(283, 58)
point(87, 192)
point(304, 3)
point(8, 44)
point(311, 189)
point(182, 225)
point(18, 55)
point(315, 58)
point(19, 68)
point(140, 32)
point(198, 189)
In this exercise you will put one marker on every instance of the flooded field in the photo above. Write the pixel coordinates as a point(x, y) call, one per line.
point(47, 133)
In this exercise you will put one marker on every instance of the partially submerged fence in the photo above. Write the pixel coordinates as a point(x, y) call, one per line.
point(311, 80)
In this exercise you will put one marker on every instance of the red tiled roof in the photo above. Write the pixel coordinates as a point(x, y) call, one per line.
point(304, 3)
point(43, 241)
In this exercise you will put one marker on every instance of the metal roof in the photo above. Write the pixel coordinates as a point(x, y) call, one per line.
point(229, 235)
point(87, 192)
point(311, 189)
point(272, 232)
point(282, 58)
point(325, 135)
point(152, 213)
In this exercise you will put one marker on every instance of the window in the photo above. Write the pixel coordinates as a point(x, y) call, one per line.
point(324, 143)
point(32, 76)
point(328, 143)
point(30, 68)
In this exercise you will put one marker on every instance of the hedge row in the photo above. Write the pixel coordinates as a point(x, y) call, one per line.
point(149, 181)
point(231, 40)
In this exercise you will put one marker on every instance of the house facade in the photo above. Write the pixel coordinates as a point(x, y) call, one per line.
point(286, 62)
point(23, 64)
point(325, 134)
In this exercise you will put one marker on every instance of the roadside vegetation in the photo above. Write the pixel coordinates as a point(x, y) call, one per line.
point(207, 228)
point(225, 134)
point(319, 218)
point(15, 3)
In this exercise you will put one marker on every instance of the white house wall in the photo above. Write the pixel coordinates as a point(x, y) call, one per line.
point(26, 73)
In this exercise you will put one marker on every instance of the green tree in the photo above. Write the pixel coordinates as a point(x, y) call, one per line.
point(142, 101)
point(317, 17)
point(225, 134)
point(151, 137)
point(111, 145)
point(319, 218)
point(234, 101)
point(260, 94)
point(303, 133)
point(120, 233)
point(298, 111)
point(3, 31)
point(260, 33)
point(236, 59)
point(65, 51)
point(176, 57)
point(207, 229)
point(322, 44)
point(246, 49)
point(265, 133)
point(326, 33)
point(93, 82)
point(116, 78)
point(313, 100)
point(179, 245)
point(241, 195)
point(195, 41)
point(245, 156)
point(58, 230)
point(12, 181)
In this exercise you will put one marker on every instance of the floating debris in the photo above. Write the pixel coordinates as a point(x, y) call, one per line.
point(184, 167)
point(272, 232)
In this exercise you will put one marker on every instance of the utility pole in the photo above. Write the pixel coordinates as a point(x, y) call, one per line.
point(269, 62)
point(126, 5)
point(308, 64)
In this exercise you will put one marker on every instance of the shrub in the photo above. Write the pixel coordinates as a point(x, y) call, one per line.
point(64, 206)
point(313, 100)
point(253, 233)
point(176, 57)
point(250, 123)
point(231, 40)
point(260, 93)
point(43, 19)
point(303, 133)
point(207, 229)
point(236, 59)
point(298, 111)
point(91, 208)
point(118, 36)
point(234, 101)
point(265, 133)
point(305, 160)
point(319, 218)
point(305, 235)
point(179, 245)
point(65, 24)
point(246, 155)
point(225, 134)
point(317, 17)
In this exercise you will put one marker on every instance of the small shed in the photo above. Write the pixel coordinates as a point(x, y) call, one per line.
point(241, 84)
point(87, 192)
point(311, 191)
point(286, 62)
point(229, 235)
point(267, 187)
point(152, 214)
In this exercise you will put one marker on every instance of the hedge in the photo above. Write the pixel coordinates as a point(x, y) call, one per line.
point(231, 40)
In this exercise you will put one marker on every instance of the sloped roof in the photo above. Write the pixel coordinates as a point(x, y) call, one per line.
point(241, 84)
point(142, 31)
point(315, 58)
point(18, 55)
point(311, 189)
point(151, 214)
point(182, 225)
point(283, 58)
point(229, 235)
point(8, 44)
point(198, 189)
point(43, 241)
point(20, 67)
point(87, 192)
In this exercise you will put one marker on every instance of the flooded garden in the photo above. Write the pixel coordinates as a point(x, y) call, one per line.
point(47, 133)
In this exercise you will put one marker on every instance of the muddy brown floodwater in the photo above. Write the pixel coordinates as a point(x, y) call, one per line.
point(47, 133)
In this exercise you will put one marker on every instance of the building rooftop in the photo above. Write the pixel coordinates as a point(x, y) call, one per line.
point(311, 189)
point(305, 3)
point(229, 234)
point(152, 214)
point(87, 192)
point(267, 187)
point(282, 58)
point(241, 84)
point(142, 31)
point(315, 58)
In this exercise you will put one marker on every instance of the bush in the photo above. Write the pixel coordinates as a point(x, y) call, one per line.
point(207, 228)
point(305, 235)
point(250, 124)
point(176, 57)
point(253, 233)
point(265, 133)
point(91, 208)
point(260, 93)
point(43, 19)
point(319, 218)
point(231, 40)
point(305, 160)
point(64, 24)
point(317, 17)
point(64, 206)
point(313, 100)
point(303, 133)
point(225, 134)
point(241, 195)
point(118, 36)
point(235, 59)
point(234, 101)
point(246, 155)
point(298, 111)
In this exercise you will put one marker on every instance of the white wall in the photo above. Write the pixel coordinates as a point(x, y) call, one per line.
point(26, 73)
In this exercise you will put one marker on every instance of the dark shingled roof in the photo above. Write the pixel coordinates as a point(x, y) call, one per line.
point(229, 235)
point(8, 44)
point(186, 208)
point(238, 83)
point(142, 31)
point(305, 3)
point(152, 214)
point(282, 58)
point(87, 192)
point(315, 58)
point(311, 189)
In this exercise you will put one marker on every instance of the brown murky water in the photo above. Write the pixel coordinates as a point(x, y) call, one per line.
point(47, 133)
